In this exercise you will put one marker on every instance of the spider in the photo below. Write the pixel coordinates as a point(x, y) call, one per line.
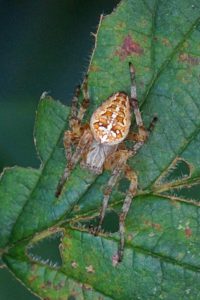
point(100, 145)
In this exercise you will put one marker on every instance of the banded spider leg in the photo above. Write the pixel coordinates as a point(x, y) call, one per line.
point(75, 136)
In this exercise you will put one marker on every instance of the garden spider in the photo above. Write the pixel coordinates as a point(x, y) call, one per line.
point(100, 145)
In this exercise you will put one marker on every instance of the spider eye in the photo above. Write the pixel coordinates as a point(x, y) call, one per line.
point(111, 121)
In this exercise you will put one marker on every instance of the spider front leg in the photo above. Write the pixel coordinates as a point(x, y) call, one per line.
point(75, 120)
point(86, 100)
point(79, 134)
point(143, 133)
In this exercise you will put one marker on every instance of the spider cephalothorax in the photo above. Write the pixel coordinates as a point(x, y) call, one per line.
point(97, 145)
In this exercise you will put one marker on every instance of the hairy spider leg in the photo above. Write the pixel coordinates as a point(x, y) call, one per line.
point(131, 175)
point(78, 114)
point(74, 107)
point(83, 145)
point(142, 132)
point(86, 100)
point(71, 135)
point(74, 135)
point(116, 172)
point(152, 124)
point(75, 120)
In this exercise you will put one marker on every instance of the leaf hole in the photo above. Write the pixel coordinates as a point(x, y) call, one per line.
point(188, 193)
point(179, 169)
point(47, 250)
point(110, 222)
point(71, 297)
point(123, 185)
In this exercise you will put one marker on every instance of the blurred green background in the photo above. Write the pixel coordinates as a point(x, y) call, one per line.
point(45, 46)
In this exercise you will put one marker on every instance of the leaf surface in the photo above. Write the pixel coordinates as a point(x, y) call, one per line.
point(162, 258)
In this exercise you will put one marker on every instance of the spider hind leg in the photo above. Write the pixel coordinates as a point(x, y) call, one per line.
point(131, 175)
point(116, 162)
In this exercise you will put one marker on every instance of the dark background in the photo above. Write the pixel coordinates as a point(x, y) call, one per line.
point(44, 46)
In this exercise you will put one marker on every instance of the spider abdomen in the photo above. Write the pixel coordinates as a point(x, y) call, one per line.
point(111, 121)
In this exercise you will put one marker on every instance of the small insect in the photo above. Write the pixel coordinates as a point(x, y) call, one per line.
point(100, 145)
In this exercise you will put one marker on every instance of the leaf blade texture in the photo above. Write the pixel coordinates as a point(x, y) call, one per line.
point(161, 259)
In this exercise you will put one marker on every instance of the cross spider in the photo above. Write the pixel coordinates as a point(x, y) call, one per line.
point(100, 145)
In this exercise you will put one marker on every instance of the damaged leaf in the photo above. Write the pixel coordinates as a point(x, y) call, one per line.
point(161, 261)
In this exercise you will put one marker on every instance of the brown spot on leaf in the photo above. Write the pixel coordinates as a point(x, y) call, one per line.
point(59, 286)
point(90, 269)
point(115, 260)
point(187, 58)
point(74, 264)
point(48, 283)
point(166, 42)
point(94, 68)
point(120, 25)
point(157, 226)
point(129, 47)
point(77, 208)
point(42, 286)
point(32, 278)
point(188, 232)
point(87, 287)
point(129, 237)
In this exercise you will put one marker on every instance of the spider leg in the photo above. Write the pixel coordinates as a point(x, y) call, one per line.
point(136, 137)
point(120, 157)
point(86, 100)
point(74, 108)
point(77, 114)
point(125, 208)
point(67, 139)
point(71, 135)
point(152, 124)
point(131, 175)
point(107, 192)
point(134, 103)
point(143, 133)
point(78, 134)
point(83, 145)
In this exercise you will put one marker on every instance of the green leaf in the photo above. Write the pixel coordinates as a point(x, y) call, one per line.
point(161, 261)
point(25, 195)
point(48, 281)
point(142, 275)
point(15, 187)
